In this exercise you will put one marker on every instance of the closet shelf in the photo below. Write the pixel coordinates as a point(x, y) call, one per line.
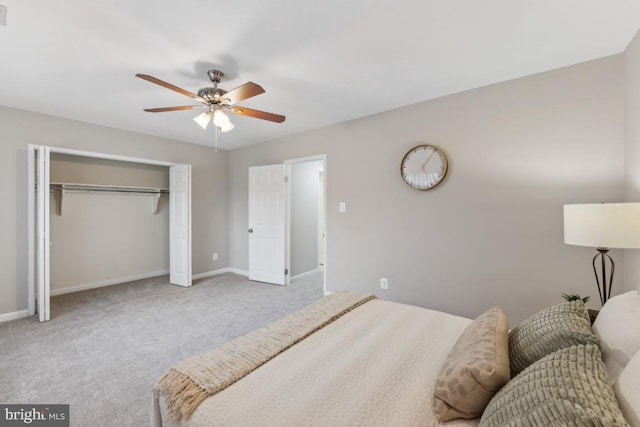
point(61, 187)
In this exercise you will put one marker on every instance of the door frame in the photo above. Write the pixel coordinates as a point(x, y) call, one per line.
point(287, 174)
point(322, 220)
point(31, 195)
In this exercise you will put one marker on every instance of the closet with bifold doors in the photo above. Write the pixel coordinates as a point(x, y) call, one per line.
point(109, 222)
point(97, 219)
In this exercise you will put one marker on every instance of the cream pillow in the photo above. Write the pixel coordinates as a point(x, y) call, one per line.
point(476, 368)
point(627, 389)
point(618, 327)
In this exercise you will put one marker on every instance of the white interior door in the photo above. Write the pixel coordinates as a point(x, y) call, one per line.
point(267, 224)
point(42, 233)
point(180, 225)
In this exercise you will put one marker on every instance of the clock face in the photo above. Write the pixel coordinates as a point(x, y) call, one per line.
point(424, 167)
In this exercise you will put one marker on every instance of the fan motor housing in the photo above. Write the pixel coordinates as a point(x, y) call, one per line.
point(211, 94)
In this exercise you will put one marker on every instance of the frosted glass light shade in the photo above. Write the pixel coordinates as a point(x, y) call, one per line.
point(226, 127)
point(203, 119)
point(221, 120)
point(603, 225)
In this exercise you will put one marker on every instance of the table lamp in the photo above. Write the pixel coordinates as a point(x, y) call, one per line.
point(603, 226)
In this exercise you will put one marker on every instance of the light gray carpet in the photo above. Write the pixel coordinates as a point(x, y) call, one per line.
point(104, 348)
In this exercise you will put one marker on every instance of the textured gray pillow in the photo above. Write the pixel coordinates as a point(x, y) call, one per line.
point(552, 329)
point(567, 388)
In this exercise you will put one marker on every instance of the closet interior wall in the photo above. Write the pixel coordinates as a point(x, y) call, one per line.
point(102, 238)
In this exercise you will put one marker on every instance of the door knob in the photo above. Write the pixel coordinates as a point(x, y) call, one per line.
point(251, 230)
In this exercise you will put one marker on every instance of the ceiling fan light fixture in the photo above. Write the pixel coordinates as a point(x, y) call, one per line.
point(215, 100)
point(226, 127)
point(221, 120)
point(203, 119)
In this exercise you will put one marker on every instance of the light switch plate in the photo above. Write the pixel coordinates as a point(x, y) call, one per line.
point(342, 207)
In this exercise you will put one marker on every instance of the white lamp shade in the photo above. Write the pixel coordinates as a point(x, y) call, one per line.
point(226, 127)
point(603, 225)
point(203, 119)
point(221, 120)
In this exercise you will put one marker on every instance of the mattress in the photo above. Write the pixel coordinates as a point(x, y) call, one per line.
point(376, 366)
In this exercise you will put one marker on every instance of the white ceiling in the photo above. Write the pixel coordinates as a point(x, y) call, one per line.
point(320, 62)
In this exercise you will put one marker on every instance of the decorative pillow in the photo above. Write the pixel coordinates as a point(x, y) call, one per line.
point(627, 389)
point(619, 340)
point(567, 388)
point(557, 327)
point(477, 366)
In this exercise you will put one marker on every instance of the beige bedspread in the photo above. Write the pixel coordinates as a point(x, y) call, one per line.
point(374, 366)
point(193, 380)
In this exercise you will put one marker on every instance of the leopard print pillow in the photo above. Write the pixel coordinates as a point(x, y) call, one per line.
point(476, 368)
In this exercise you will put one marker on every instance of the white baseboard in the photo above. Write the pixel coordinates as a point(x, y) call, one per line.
point(238, 271)
point(110, 282)
point(14, 315)
point(301, 275)
point(100, 284)
point(220, 271)
point(209, 273)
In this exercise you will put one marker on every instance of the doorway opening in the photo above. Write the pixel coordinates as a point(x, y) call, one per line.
point(305, 246)
point(287, 227)
point(39, 215)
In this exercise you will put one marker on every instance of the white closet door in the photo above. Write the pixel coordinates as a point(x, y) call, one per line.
point(267, 224)
point(180, 225)
point(42, 220)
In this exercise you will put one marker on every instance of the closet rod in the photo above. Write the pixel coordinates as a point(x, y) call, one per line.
point(107, 188)
point(61, 188)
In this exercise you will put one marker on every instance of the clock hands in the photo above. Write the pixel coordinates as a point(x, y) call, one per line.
point(424, 165)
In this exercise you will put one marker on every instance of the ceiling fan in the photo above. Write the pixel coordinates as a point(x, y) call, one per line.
point(216, 101)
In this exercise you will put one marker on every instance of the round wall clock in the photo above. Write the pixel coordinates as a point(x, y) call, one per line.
point(424, 167)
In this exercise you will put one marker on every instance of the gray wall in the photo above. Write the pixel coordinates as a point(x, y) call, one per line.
point(20, 128)
point(304, 216)
point(102, 237)
point(632, 152)
point(89, 170)
point(492, 232)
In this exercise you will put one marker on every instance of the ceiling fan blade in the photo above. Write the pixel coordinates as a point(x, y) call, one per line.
point(241, 93)
point(170, 86)
point(258, 114)
point(163, 109)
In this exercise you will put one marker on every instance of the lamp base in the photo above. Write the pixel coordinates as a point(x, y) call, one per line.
point(604, 286)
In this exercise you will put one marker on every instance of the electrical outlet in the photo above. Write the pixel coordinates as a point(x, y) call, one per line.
point(384, 283)
point(215, 256)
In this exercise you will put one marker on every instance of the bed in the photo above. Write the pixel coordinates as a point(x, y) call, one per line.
point(377, 363)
